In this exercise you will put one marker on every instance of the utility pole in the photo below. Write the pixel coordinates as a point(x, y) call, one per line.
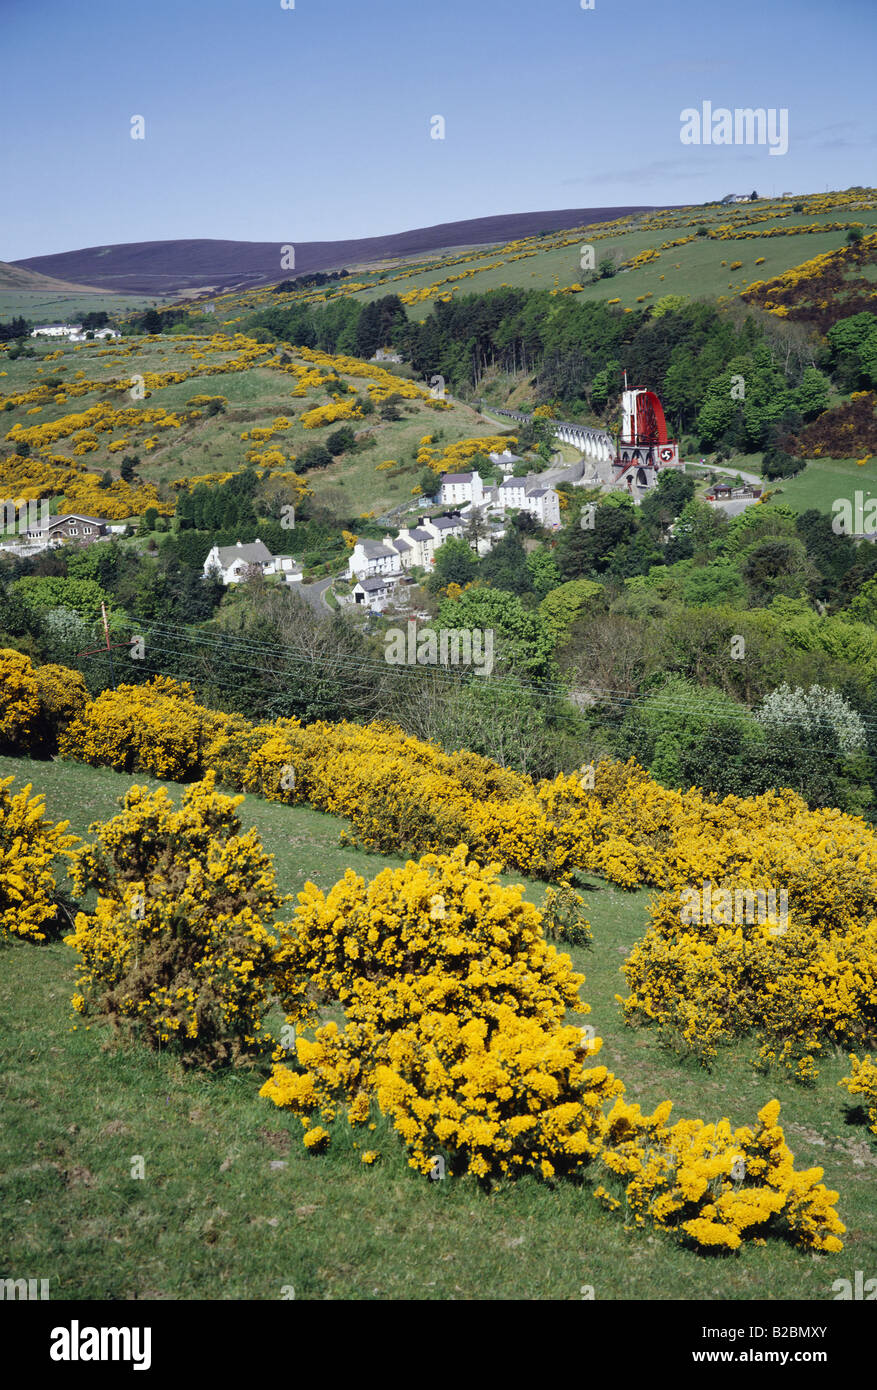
point(103, 609)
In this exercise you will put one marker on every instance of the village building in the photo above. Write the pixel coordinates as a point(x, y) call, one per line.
point(69, 527)
point(373, 591)
point(506, 460)
point(461, 487)
point(370, 558)
point(55, 330)
point(530, 495)
point(234, 563)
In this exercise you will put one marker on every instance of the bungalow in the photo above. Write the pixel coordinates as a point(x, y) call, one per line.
point(726, 492)
point(68, 527)
point(81, 336)
point(232, 563)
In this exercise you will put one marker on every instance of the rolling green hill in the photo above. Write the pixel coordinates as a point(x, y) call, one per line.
point(771, 229)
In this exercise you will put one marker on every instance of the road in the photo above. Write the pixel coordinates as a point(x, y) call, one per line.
point(315, 595)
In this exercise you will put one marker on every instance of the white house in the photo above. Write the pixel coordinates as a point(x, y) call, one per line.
point(235, 562)
point(443, 527)
point(55, 330)
point(423, 545)
point(372, 591)
point(461, 487)
point(544, 503)
point(529, 495)
point(512, 492)
point(370, 558)
point(83, 335)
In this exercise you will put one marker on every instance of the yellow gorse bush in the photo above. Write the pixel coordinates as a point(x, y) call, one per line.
point(811, 986)
point(713, 1186)
point(455, 1010)
point(29, 846)
point(178, 944)
point(862, 1081)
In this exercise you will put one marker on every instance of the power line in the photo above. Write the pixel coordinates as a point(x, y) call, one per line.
point(239, 655)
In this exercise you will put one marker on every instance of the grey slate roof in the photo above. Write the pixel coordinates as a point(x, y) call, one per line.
point(255, 554)
point(375, 550)
point(418, 534)
point(371, 585)
point(457, 477)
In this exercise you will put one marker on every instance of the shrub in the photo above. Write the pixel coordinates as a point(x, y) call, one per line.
point(63, 697)
point(563, 917)
point(713, 1187)
point(178, 944)
point(454, 1026)
point(19, 701)
point(862, 1081)
point(29, 845)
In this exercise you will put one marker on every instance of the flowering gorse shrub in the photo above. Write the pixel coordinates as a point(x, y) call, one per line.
point(812, 986)
point(29, 845)
point(712, 1186)
point(178, 943)
point(862, 1081)
point(563, 916)
point(19, 701)
point(455, 1009)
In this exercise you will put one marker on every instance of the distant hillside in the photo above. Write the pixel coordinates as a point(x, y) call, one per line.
point(18, 278)
point(173, 267)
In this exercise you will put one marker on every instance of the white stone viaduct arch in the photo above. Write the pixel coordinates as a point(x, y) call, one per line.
point(594, 444)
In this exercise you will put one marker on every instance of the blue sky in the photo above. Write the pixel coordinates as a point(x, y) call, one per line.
point(313, 123)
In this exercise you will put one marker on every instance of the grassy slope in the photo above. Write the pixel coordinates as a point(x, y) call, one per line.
point(824, 480)
point(694, 269)
point(212, 1219)
point(255, 398)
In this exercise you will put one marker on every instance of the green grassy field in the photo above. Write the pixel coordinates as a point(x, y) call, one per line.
point(824, 480)
point(232, 1206)
point(41, 306)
